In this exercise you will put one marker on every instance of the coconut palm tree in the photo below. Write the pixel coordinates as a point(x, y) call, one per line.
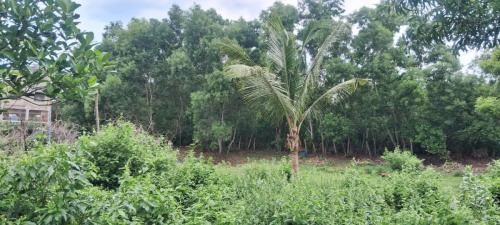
point(288, 85)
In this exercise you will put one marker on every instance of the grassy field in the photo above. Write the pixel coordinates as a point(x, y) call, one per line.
point(449, 181)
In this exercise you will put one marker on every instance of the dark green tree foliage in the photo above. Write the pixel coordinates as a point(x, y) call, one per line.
point(491, 64)
point(464, 23)
point(320, 9)
point(288, 14)
point(168, 81)
point(41, 46)
point(212, 109)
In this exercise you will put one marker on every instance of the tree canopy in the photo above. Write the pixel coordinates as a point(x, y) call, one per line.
point(170, 79)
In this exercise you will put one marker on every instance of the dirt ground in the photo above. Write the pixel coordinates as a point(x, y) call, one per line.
point(235, 158)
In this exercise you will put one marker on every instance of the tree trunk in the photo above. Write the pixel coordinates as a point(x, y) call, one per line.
point(149, 101)
point(219, 141)
point(349, 145)
point(250, 142)
point(390, 137)
point(295, 161)
point(323, 149)
point(179, 120)
point(231, 143)
point(396, 136)
point(97, 111)
point(368, 143)
point(293, 142)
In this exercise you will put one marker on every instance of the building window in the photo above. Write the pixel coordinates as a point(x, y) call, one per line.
point(35, 115)
point(15, 115)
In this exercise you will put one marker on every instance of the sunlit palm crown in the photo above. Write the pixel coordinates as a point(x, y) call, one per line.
point(289, 81)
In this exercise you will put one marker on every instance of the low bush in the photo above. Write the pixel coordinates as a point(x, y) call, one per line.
point(67, 184)
point(121, 144)
point(43, 185)
point(400, 160)
point(492, 180)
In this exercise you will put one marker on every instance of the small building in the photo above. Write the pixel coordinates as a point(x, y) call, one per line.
point(33, 110)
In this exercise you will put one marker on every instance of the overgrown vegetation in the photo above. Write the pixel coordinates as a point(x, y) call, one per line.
point(171, 78)
point(147, 184)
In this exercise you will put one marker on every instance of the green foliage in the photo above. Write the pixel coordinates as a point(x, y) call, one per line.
point(435, 18)
point(213, 110)
point(402, 160)
point(60, 184)
point(432, 138)
point(43, 185)
point(169, 77)
point(42, 46)
point(492, 180)
point(475, 195)
point(489, 105)
point(56, 185)
point(121, 146)
point(491, 64)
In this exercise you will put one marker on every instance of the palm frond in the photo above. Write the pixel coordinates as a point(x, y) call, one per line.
point(282, 52)
point(257, 84)
point(327, 43)
point(276, 44)
point(313, 71)
point(313, 30)
point(337, 93)
point(234, 51)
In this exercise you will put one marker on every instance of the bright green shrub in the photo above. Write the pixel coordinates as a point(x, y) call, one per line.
point(58, 184)
point(121, 144)
point(399, 160)
point(52, 185)
point(475, 196)
point(42, 186)
point(492, 180)
point(414, 196)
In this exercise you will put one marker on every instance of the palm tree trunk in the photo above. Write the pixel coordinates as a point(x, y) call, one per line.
point(295, 161)
point(294, 145)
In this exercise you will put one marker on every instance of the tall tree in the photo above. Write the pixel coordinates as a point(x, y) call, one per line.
point(467, 23)
point(287, 85)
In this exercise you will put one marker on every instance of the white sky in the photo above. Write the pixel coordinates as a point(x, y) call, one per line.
point(95, 14)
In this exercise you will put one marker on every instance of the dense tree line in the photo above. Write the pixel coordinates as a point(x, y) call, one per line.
point(169, 78)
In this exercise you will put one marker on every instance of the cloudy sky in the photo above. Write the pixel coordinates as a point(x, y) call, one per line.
point(95, 14)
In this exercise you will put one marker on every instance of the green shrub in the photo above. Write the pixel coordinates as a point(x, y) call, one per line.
point(42, 186)
point(400, 160)
point(121, 144)
point(492, 180)
point(57, 185)
point(475, 195)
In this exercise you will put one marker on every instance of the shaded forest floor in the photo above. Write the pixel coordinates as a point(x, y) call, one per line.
point(236, 158)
